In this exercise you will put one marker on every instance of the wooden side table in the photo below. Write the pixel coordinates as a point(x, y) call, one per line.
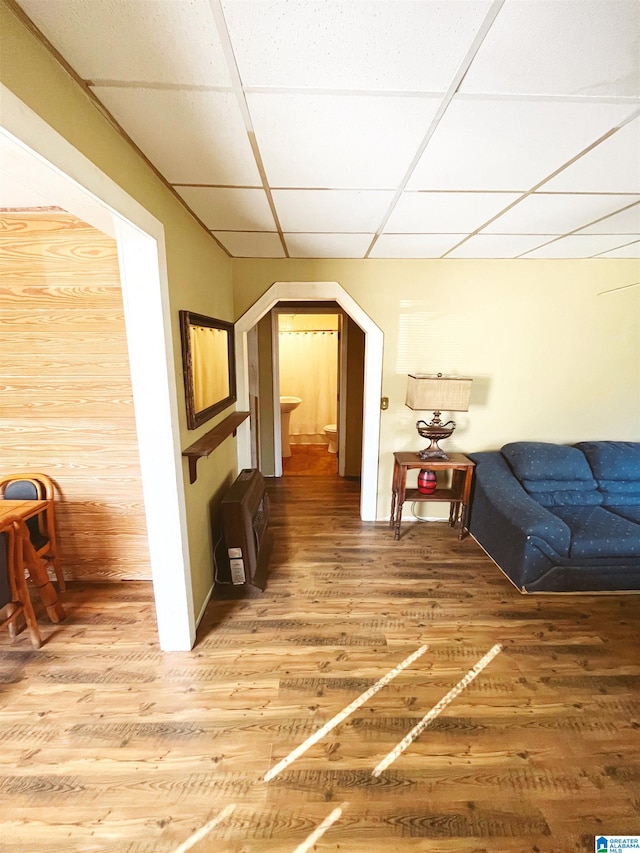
point(457, 495)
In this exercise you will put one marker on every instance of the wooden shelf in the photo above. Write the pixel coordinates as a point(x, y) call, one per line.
point(448, 495)
point(212, 439)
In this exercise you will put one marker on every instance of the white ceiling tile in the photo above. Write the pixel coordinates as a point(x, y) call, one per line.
point(229, 208)
point(497, 245)
point(191, 137)
point(543, 213)
point(414, 245)
point(612, 166)
point(352, 45)
point(328, 245)
point(509, 144)
point(164, 41)
point(360, 83)
point(570, 47)
point(243, 244)
point(339, 141)
point(625, 222)
point(580, 246)
point(331, 210)
point(438, 213)
point(631, 250)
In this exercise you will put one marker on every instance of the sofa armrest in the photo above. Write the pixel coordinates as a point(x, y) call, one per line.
point(501, 493)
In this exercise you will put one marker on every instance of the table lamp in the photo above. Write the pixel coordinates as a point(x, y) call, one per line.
point(437, 393)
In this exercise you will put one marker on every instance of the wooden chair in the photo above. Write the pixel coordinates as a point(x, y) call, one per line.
point(14, 595)
point(37, 487)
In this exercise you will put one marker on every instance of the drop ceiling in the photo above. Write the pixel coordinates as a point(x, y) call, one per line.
point(455, 129)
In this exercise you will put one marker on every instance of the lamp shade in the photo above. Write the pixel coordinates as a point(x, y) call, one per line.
point(438, 393)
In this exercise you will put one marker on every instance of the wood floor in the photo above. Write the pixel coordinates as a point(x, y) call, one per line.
point(109, 745)
point(310, 460)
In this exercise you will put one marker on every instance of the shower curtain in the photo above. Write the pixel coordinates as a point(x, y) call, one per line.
point(210, 365)
point(309, 370)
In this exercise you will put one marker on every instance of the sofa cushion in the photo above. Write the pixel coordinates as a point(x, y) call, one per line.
point(631, 513)
point(554, 475)
point(598, 533)
point(616, 493)
point(616, 467)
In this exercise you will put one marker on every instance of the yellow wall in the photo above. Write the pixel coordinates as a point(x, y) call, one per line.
point(199, 272)
point(552, 359)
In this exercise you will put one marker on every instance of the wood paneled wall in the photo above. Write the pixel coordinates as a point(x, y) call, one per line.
point(66, 404)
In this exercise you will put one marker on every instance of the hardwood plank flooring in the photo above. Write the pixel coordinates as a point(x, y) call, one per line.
point(110, 745)
point(309, 460)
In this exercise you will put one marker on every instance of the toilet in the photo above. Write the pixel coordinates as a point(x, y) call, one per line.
point(331, 431)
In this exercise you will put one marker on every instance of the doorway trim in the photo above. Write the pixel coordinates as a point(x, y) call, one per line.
point(314, 291)
point(84, 190)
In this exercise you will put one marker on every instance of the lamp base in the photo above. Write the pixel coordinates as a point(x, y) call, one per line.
point(432, 452)
point(435, 432)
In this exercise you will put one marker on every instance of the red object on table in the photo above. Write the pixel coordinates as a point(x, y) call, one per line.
point(427, 482)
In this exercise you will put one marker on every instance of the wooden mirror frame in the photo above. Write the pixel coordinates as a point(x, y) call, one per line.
point(187, 319)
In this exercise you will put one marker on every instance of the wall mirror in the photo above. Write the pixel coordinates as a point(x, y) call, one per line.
point(208, 358)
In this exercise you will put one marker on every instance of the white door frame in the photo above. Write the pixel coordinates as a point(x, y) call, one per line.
point(275, 360)
point(311, 292)
point(42, 161)
point(275, 387)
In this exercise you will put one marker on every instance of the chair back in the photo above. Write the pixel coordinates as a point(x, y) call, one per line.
point(28, 490)
point(22, 490)
point(26, 486)
point(6, 557)
point(32, 486)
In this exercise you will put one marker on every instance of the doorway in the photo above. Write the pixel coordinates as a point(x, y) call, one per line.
point(317, 293)
point(307, 374)
point(40, 160)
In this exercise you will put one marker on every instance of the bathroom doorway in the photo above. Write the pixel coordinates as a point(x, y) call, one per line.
point(308, 366)
point(305, 375)
point(256, 380)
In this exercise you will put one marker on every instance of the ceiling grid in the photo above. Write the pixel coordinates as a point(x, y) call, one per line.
point(377, 129)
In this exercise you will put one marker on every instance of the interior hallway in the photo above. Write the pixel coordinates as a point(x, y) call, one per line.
point(109, 745)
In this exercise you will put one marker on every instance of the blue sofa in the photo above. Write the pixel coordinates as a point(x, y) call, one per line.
point(560, 518)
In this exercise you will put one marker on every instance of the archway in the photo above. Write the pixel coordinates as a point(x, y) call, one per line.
point(313, 292)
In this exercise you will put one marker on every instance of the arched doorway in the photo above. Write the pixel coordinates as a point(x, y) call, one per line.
point(311, 292)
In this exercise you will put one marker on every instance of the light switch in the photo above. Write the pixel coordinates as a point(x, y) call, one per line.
point(384, 403)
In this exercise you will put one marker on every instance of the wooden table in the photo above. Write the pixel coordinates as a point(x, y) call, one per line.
point(33, 563)
point(457, 495)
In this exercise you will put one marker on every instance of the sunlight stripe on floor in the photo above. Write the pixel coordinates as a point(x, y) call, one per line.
point(364, 697)
point(437, 709)
point(308, 843)
point(205, 830)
